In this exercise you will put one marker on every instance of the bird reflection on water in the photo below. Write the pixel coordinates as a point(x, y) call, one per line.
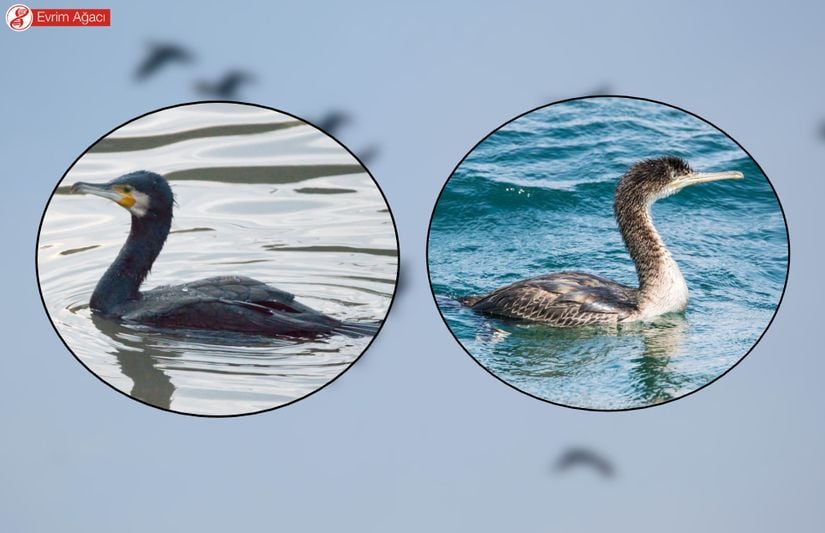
point(149, 357)
point(138, 362)
point(528, 357)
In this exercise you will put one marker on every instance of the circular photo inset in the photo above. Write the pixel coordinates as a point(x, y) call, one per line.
point(217, 259)
point(608, 253)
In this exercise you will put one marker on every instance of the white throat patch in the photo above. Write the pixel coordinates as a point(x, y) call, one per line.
point(141, 205)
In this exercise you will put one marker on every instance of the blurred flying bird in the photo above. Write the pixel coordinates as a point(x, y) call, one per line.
point(574, 457)
point(368, 154)
point(226, 87)
point(599, 90)
point(161, 54)
point(332, 121)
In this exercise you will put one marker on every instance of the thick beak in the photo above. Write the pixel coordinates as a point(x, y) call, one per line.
point(702, 177)
point(104, 190)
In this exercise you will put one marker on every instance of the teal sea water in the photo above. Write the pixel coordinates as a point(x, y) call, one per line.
point(536, 197)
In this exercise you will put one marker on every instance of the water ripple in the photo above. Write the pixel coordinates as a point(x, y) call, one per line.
point(536, 197)
point(336, 256)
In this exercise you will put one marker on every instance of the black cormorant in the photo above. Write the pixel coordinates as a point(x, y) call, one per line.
point(227, 303)
point(579, 299)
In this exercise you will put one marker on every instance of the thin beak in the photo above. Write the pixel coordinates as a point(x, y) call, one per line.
point(702, 177)
point(104, 190)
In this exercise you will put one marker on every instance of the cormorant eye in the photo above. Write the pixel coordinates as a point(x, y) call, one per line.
point(127, 188)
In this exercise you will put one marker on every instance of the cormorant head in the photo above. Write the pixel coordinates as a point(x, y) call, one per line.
point(143, 193)
point(652, 179)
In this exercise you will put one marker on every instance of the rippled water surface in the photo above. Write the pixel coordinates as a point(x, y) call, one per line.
point(258, 194)
point(536, 197)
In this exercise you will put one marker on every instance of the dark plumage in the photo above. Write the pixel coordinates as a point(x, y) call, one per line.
point(228, 303)
point(161, 54)
point(577, 298)
point(227, 86)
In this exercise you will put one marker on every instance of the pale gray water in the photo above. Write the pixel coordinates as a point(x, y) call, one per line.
point(259, 194)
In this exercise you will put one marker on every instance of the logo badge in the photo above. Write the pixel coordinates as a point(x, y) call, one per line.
point(19, 17)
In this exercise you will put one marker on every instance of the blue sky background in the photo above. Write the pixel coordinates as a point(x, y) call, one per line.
point(416, 436)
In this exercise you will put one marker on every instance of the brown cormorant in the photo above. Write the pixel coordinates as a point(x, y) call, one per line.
point(577, 298)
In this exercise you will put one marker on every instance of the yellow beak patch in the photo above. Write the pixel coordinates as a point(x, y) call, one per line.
point(126, 200)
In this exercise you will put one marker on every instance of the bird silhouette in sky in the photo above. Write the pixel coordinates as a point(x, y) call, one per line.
point(227, 86)
point(582, 457)
point(368, 154)
point(599, 90)
point(602, 88)
point(160, 55)
point(333, 120)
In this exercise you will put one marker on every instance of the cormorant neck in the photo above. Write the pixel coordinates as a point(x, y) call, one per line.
point(122, 280)
point(662, 288)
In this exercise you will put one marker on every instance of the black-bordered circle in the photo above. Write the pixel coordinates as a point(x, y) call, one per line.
point(258, 194)
point(530, 273)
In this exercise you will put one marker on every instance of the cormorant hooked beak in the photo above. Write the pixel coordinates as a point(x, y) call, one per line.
point(120, 194)
point(702, 177)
